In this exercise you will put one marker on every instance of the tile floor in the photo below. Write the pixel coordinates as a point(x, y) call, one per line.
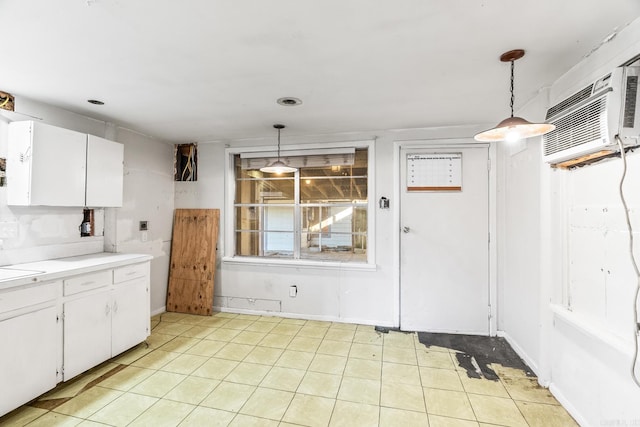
point(242, 370)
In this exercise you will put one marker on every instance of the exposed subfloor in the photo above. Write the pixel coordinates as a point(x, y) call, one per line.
point(243, 370)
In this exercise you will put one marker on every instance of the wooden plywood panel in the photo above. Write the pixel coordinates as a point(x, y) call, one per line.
point(193, 261)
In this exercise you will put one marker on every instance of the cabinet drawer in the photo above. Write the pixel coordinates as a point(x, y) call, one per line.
point(87, 282)
point(34, 295)
point(129, 272)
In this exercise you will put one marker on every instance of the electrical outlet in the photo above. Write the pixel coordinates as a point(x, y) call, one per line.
point(144, 225)
point(293, 291)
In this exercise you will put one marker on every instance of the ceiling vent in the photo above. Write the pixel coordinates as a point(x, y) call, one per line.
point(588, 121)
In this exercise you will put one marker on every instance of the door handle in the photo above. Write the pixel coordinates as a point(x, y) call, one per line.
point(405, 229)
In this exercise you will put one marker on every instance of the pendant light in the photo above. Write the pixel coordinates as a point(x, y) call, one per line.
point(278, 166)
point(513, 128)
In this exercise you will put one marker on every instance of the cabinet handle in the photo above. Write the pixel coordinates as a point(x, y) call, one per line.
point(91, 282)
point(115, 306)
point(131, 273)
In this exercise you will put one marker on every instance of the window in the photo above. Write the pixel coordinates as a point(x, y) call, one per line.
point(319, 212)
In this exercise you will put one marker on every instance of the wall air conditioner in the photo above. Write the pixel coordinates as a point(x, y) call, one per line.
point(588, 121)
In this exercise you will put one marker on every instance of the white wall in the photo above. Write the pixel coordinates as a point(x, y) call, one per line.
point(51, 232)
point(566, 281)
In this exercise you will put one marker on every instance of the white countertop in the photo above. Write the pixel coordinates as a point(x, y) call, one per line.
point(52, 269)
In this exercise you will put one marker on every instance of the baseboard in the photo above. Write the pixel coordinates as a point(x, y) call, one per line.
point(566, 404)
point(159, 310)
point(523, 355)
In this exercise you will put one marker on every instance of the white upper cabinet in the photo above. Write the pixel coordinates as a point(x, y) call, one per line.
point(105, 172)
point(52, 166)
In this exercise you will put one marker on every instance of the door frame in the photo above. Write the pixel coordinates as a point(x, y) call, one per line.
point(447, 143)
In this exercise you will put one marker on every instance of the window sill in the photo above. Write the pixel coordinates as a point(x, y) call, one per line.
point(299, 263)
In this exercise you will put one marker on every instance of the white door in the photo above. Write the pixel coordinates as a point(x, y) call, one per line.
point(444, 239)
point(130, 314)
point(105, 172)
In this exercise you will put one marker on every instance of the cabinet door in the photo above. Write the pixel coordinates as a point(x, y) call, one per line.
point(130, 319)
point(28, 357)
point(104, 172)
point(58, 166)
point(87, 333)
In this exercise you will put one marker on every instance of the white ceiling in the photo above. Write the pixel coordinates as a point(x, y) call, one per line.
point(201, 70)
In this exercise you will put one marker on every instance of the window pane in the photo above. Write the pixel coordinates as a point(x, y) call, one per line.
point(267, 244)
point(332, 189)
point(265, 190)
point(265, 218)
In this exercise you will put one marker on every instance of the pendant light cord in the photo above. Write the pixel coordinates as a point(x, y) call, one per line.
point(633, 262)
point(278, 144)
point(511, 87)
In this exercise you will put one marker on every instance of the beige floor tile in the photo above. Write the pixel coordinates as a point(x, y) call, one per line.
point(215, 368)
point(192, 390)
point(76, 385)
point(202, 416)
point(158, 384)
point(339, 334)
point(392, 417)
point(366, 351)
point(174, 329)
point(328, 364)
point(399, 355)
point(399, 373)
point(185, 364)
point(434, 359)
point(249, 421)
point(276, 340)
point(335, 348)
point(298, 322)
point(88, 402)
point(368, 337)
point(506, 371)
point(172, 317)
point(197, 332)
point(206, 348)
point(269, 319)
point(283, 378)
point(304, 344)
point(133, 354)
point(223, 334)
point(360, 390)
point(306, 410)
point(239, 324)
point(446, 379)
point(350, 414)
point(439, 421)
point(249, 337)
point(155, 360)
point(248, 373)
point(399, 339)
point(53, 419)
point(214, 322)
point(448, 403)
point(261, 326)
point(233, 351)
point(89, 423)
point(264, 355)
point(180, 344)
point(124, 409)
point(319, 384)
point(267, 403)
point(164, 413)
point(483, 386)
point(318, 323)
point(295, 359)
point(496, 410)
point(228, 396)
point(127, 378)
point(543, 415)
point(157, 340)
point(312, 332)
point(361, 368)
point(527, 389)
point(286, 329)
point(344, 325)
point(21, 416)
point(402, 396)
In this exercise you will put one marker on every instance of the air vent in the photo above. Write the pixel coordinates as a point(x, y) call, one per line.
point(629, 114)
point(582, 126)
point(569, 102)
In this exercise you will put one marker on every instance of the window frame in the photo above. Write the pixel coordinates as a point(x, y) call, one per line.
point(299, 149)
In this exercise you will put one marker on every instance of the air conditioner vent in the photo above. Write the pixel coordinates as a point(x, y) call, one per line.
point(572, 100)
point(582, 126)
point(629, 114)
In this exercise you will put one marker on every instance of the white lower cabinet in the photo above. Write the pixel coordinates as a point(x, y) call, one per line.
point(105, 319)
point(29, 340)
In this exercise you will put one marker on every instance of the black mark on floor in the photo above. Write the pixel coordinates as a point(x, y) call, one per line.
point(476, 353)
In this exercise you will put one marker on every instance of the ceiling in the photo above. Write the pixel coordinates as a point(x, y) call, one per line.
point(203, 70)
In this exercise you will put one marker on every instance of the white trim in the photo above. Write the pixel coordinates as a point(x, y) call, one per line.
point(566, 404)
point(229, 185)
point(523, 355)
point(160, 310)
point(299, 263)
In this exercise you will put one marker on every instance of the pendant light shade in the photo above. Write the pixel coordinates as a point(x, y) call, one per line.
point(278, 166)
point(513, 128)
